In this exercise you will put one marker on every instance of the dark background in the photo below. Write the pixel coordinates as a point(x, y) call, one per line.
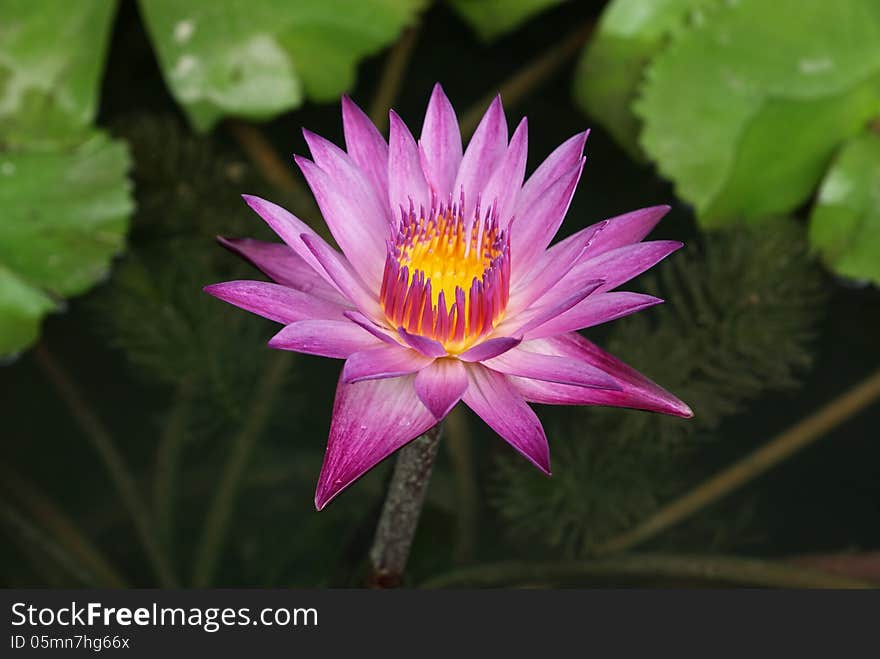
point(824, 499)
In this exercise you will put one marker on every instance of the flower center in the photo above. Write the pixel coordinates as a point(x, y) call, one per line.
point(447, 279)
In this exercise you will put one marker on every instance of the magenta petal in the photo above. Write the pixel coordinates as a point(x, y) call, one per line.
point(371, 420)
point(379, 331)
point(504, 185)
point(383, 361)
point(489, 348)
point(551, 267)
point(426, 346)
point(525, 363)
point(595, 310)
point(495, 400)
point(482, 156)
point(365, 145)
point(327, 338)
point(537, 223)
point(281, 263)
point(537, 315)
point(627, 229)
point(275, 302)
point(562, 160)
point(342, 276)
point(406, 180)
point(441, 385)
point(357, 218)
point(637, 391)
point(288, 227)
point(440, 144)
point(618, 266)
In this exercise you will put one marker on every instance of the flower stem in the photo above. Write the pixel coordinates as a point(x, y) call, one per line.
point(775, 451)
point(403, 506)
point(392, 77)
point(223, 503)
point(168, 455)
point(527, 79)
point(98, 571)
point(264, 157)
point(277, 172)
point(641, 567)
point(120, 475)
point(36, 544)
point(458, 445)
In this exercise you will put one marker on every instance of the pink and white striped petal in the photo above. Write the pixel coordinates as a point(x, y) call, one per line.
point(637, 391)
point(383, 361)
point(489, 348)
point(379, 331)
point(550, 368)
point(627, 229)
point(483, 154)
point(441, 385)
point(407, 187)
point(289, 228)
point(371, 420)
point(594, 310)
point(422, 344)
point(440, 145)
point(504, 185)
point(365, 145)
point(274, 301)
point(357, 218)
point(560, 161)
point(344, 278)
point(327, 338)
point(537, 315)
point(551, 267)
point(617, 266)
point(286, 267)
point(501, 406)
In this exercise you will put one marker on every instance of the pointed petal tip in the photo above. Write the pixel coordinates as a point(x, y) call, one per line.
point(322, 499)
point(253, 201)
point(683, 410)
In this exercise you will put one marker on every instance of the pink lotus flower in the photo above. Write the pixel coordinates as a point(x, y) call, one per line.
point(446, 289)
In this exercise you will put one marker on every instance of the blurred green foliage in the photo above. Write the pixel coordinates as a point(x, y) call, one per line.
point(63, 186)
point(493, 18)
point(610, 71)
point(737, 324)
point(256, 59)
point(740, 104)
point(845, 222)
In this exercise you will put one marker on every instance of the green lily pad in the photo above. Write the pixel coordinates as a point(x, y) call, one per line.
point(492, 18)
point(845, 222)
point(744, 111)
point(259, 58)
point(629, 34)
point(65, 214)
point(51, 60)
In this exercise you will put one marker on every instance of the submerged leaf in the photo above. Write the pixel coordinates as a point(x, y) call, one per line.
point(845, 224)
point(744, 111)
point(259, 58)
point(716, 343)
